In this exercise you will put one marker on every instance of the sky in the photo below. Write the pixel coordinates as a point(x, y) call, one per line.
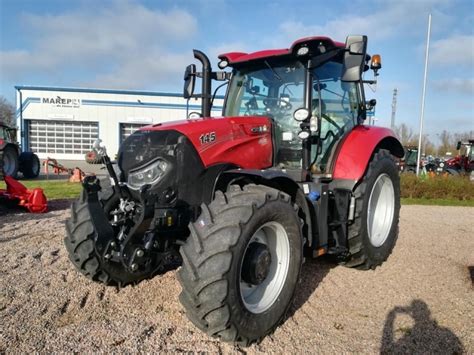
point(145, 45)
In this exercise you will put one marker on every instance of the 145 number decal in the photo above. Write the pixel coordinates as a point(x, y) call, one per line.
point(207, 137)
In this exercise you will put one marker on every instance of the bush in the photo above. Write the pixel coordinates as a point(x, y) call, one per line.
point(438, 187)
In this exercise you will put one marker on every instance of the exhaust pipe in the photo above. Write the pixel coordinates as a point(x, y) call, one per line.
point(206, 82)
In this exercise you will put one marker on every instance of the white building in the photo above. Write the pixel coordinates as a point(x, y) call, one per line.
point(62, 123)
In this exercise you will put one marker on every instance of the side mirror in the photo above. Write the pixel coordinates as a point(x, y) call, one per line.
point(458, 146)
point(354, 58)
point(189, 81)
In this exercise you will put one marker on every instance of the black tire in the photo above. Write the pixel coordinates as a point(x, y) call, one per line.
point(212, 260)
point(10, 162)
point(80, 243)
point(30, 165)
point(363, 254)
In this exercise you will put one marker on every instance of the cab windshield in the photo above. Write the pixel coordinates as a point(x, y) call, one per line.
point(268, 89)
point(276, 89)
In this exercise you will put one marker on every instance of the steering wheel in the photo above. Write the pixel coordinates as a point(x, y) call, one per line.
point(277, 105)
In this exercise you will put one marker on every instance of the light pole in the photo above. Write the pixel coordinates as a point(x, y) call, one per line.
point(423, 96)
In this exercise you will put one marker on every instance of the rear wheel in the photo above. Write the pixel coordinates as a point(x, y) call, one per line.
point(29, 165)
point(241, 263)
point(10, 162)
point(374, 231)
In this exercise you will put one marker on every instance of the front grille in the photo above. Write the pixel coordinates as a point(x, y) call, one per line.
point(144, 146)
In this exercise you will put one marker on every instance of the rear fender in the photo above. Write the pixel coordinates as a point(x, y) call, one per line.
point(358, 148)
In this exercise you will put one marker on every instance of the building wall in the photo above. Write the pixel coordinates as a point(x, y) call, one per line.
point(109, 108)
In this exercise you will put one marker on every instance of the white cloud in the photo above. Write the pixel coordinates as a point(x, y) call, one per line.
point(389, 19)
point(455, 85)
point(454, 50)
point(128, 41)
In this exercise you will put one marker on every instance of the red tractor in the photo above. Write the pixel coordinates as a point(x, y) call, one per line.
point(463, 163)
point(289, 171)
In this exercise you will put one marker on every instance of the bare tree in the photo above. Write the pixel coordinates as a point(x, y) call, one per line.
point(7, 112)
point(427, 147)
point(446, 145)
point(405, 134)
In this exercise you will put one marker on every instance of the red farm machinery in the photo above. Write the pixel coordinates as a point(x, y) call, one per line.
point(288, 172)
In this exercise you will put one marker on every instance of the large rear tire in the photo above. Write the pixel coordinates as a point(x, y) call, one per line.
point(241, 263)
point(30, 165)
point(374, 231)
point(10, 162)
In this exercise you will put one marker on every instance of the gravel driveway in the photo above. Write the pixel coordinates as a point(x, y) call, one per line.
point(420, 300)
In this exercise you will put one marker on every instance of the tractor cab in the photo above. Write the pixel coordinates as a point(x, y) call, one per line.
point(7, 135)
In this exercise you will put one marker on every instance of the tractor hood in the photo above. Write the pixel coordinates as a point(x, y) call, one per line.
point(244, 142)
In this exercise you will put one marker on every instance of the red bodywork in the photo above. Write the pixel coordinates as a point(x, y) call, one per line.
point(33, 200)
point(245, 142)
point(461, 162)
point(358, 147)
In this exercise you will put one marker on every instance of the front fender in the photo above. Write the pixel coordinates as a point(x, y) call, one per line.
point(359, 146)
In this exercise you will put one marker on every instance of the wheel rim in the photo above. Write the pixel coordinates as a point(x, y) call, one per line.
point(8, 164)
point(381, 210)
point(259, 298)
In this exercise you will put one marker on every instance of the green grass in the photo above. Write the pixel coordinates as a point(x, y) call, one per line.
point(455, 188)
point(437, 202)
point(53, 189)
point(437, 191)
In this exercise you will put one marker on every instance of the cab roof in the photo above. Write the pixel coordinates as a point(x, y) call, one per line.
point(315, 43)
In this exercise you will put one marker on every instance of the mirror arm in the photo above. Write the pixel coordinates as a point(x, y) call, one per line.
point(370, 82)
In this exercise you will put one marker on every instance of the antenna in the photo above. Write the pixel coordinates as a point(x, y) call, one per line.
point(394, 108)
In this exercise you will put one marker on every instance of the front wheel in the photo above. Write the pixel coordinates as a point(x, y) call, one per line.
point(241, 263)
point(374, 231)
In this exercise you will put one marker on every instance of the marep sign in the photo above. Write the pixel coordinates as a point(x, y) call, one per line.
point(59, 101)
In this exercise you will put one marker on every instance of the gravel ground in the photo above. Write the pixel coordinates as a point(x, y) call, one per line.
point(420, 300)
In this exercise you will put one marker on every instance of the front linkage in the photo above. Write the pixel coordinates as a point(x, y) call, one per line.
point(131, 233)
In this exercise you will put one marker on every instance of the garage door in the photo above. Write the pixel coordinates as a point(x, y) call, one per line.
point(62, 140)
point(127, 129)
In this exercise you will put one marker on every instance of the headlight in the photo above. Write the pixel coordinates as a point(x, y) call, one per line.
point(441, 164)
point(301, 114)
point(147, 175)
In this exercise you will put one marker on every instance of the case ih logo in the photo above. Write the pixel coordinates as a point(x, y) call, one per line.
point(58, 101)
